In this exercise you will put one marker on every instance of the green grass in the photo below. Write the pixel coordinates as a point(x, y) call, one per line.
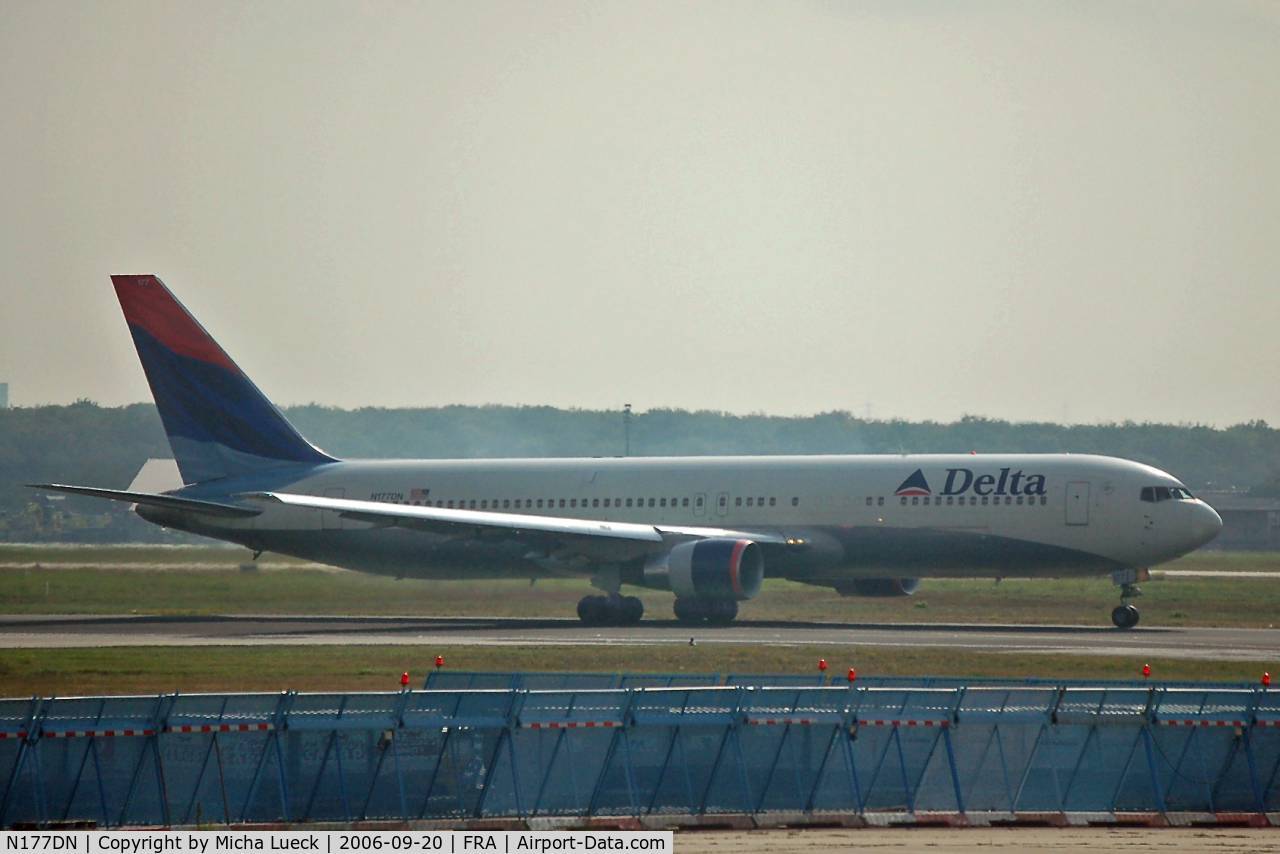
point(1226, 562)
point(164, 580)
point(71, 581)
point(125, 670)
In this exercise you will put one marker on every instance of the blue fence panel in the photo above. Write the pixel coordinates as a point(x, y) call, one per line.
point(564, 738)
point(567, 681)
point(1199, 745)
point(335, 747)
point(898, 736)
point(20, 777)
point(95, 756)
point(459, 680)
point(763, 679)
point(787, 737)
point(667, 680)
point(600, 745)
point(1264, 743)
point(215, 751)
point(998, 728)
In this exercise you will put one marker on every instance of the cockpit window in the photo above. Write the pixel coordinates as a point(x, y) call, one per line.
point(1166, 493)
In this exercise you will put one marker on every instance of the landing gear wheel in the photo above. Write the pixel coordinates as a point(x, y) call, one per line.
point(631, 611)
point(610, 610)
point(594, 610)
point(1124, 616)
point(722, 612)
point(689, 611)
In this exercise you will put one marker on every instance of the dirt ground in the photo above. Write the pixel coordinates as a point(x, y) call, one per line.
point(981, 839)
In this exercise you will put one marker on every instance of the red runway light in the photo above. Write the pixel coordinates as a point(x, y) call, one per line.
point(822, 665)
point(853, 675)
point(1266, 679)
point(404, 679)
point(1146, 671)
point(439, 661)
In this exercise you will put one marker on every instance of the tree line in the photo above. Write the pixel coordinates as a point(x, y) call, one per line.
point(105, 446)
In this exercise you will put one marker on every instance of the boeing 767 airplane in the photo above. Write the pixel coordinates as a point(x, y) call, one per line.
point(709, 529)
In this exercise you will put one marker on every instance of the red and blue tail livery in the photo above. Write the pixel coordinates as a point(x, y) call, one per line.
point(219, 424)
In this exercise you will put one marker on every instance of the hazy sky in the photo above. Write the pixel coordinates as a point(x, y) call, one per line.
point(1028, 210)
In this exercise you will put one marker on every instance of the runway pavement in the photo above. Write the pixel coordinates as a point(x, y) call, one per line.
point(42, 631)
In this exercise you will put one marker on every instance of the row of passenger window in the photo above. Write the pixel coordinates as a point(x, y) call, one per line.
point(574, 503)
point(697, 502)
point(755, 501)
point(972, 500)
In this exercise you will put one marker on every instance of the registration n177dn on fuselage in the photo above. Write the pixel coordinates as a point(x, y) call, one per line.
point(708, 529)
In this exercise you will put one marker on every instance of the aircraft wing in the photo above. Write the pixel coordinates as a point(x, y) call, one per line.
point(593, 536)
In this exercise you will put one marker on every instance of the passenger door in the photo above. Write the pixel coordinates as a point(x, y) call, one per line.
point(1078, 502)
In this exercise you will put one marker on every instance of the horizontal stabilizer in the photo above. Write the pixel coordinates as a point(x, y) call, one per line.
point(151, 499)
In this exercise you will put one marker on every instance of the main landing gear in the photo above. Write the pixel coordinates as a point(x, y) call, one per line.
point(1124, 615)
point(717, 612)
point(614, 610)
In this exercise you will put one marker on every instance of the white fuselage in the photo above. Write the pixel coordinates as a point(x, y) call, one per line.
point(858, 516)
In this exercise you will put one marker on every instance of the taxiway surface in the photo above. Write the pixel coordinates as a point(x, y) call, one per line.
point(43, 631)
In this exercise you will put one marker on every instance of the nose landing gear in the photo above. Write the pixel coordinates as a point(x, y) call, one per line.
point(1124, 615)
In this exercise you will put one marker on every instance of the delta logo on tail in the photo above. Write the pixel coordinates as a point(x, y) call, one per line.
point(915, 485)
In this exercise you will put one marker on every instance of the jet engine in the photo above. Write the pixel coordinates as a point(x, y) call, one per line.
point(878, 587)
point(708, 569)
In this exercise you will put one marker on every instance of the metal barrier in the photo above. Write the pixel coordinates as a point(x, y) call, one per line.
point(441, 679)
point(999, 748)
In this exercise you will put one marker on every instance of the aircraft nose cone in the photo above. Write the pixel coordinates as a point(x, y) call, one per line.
point(1205, 524)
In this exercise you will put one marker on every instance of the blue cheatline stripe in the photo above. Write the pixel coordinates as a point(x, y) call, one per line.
point(216, 409)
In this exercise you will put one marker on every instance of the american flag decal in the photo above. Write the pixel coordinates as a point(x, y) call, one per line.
point(419, 494)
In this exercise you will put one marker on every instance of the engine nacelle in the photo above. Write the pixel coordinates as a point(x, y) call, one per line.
point(709, 569)
point(878, 587)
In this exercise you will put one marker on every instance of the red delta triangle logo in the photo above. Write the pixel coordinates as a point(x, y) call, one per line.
point(915, 485)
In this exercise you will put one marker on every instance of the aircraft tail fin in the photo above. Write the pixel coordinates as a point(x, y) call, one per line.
point(218, 423)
